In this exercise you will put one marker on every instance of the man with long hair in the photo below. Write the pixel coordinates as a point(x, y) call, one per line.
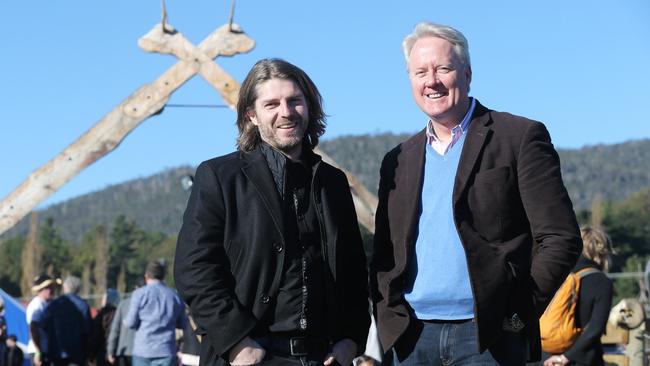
point(270, 258)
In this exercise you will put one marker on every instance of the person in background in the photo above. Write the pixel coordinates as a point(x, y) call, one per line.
point(101, 328)
point(43, 289)
point(3, 333)
point(14, 355)
point(155, 312)
point(67, 322)
point(190, 349)
point(119, 345)
point(594, 302)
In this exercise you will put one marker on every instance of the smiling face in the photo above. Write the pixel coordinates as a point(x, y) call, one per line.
point(439, 80)
point(280, 112)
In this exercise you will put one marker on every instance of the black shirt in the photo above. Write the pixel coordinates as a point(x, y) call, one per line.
point(300, 303)
point(592, 311)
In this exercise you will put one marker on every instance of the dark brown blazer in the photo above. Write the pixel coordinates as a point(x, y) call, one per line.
point(230, 253)
point(513, 215)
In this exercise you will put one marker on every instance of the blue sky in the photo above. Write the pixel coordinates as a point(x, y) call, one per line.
point(581, 67)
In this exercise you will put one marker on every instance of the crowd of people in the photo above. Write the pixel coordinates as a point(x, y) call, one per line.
point(149, 328)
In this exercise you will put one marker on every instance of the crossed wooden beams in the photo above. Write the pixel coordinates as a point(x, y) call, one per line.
point(150, 99)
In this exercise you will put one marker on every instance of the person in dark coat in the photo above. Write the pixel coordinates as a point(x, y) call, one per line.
point(3, 334)
point(101, 328)
point(67, 322)
point(190, 349)
point(14, 355)
point(594, 302)
point(270, 257)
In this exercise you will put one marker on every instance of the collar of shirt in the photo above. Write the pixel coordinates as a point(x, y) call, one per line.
point(456, 132)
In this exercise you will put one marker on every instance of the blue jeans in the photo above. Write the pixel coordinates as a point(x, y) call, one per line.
point(155, 361)
point(455, 343)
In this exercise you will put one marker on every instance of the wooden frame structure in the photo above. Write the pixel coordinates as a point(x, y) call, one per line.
point(149, 100)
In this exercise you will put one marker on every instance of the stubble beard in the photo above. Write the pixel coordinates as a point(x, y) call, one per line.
point(287, 144)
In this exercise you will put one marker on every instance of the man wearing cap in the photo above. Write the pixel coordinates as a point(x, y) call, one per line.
point(44, 290)
point(156, 311)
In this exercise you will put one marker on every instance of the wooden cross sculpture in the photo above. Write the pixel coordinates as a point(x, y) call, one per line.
point(150, 99)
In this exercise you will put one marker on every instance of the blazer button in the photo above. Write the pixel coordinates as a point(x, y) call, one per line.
point(265, 299)
point(278, 247)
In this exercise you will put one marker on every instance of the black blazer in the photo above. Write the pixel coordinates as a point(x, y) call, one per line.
point(508, 194)
point(230, 256)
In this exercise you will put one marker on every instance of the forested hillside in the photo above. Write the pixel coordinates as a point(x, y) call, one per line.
point(106, 237)
point(157, 202)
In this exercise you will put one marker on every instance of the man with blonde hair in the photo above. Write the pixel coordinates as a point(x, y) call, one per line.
point(474, 229)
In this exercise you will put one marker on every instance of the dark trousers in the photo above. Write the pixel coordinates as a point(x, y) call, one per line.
point(277, 349)
point(67, 362)
point(123, 360)
point(289, 361)
point(272, 360)
point(455, 343)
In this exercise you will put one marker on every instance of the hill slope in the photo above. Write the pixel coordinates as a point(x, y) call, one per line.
point(157, 202)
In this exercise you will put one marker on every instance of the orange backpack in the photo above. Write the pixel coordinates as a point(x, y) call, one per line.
point(557, 325)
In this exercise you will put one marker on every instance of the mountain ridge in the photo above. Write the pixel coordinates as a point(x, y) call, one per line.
point(156, 202)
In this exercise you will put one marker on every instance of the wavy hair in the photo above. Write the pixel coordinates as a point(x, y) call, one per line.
point(274, 68)
point(451, 35)
point(597, 246)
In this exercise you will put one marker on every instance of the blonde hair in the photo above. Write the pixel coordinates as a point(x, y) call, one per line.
point(449, 34)
point(597, 246)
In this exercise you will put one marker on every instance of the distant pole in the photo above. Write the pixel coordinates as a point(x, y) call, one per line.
point(30, 258)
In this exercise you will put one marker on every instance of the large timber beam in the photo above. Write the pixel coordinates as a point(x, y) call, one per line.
point(175, 44)
point(107, 134)
point(150, 99)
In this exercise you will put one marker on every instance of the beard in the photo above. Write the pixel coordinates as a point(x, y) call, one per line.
point(285, 142)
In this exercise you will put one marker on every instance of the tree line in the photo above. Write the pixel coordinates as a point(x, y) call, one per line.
point(104, 258)
point(116, 257)
point(157, 202)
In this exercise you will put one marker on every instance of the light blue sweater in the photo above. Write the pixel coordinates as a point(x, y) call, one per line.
point(438, 273)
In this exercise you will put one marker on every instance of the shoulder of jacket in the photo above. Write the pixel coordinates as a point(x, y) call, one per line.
point(329, 168)
point(223, 164)
point(223, 160)
point(415, 139)
point(329, 174)
point(511, 122)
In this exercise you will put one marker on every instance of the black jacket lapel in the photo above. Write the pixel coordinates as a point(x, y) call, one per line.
point(256, 169)
point(474, 142)
point(410, 164)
